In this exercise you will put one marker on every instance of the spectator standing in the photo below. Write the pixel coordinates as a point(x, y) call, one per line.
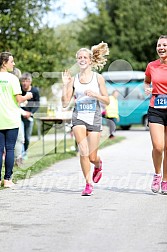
point(30, 108)
point(10, 118)
point(111, 113)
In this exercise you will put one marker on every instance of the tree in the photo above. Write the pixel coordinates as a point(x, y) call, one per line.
point(19, 20)
point(23, 35)
point(53, 50)
point(45, 52)
point(130, 28)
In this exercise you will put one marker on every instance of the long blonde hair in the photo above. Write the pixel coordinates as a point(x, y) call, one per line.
point(97, 54)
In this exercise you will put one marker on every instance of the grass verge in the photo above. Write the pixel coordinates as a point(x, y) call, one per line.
point(38, 162)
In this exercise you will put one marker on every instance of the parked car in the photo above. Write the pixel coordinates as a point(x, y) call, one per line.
point(132, 101)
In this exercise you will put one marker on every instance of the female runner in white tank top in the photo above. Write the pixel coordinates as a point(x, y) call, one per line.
point(88, 88)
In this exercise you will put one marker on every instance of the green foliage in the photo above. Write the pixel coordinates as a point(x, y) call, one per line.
point(20, 20)
point(130, 28)
point(45, 52)
point(22, 35)
point(54, 51)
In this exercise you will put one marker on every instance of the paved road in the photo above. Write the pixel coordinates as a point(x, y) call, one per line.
point(46, 213)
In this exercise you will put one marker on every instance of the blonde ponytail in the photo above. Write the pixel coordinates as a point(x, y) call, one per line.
point(99, 52)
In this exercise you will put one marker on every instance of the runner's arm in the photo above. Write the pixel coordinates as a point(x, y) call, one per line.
point(67, 89)
point(147, 88)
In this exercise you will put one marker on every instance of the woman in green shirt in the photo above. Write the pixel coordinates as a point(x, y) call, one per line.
point(10, 118)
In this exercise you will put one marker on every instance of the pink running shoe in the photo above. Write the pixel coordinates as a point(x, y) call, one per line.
point(164, 187)
point(156, 183)
point(88, 190)
point(97, 174)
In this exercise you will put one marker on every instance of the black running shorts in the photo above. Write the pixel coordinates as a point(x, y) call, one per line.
point(157, 116)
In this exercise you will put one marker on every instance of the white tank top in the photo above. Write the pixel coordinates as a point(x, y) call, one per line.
point(87, 108)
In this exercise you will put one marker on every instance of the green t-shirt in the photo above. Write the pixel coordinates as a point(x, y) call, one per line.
point(10, 116)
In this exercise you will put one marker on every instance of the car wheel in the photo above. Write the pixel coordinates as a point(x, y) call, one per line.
point(125, 127)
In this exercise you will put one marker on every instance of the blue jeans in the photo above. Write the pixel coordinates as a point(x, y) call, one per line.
point(7, 143)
